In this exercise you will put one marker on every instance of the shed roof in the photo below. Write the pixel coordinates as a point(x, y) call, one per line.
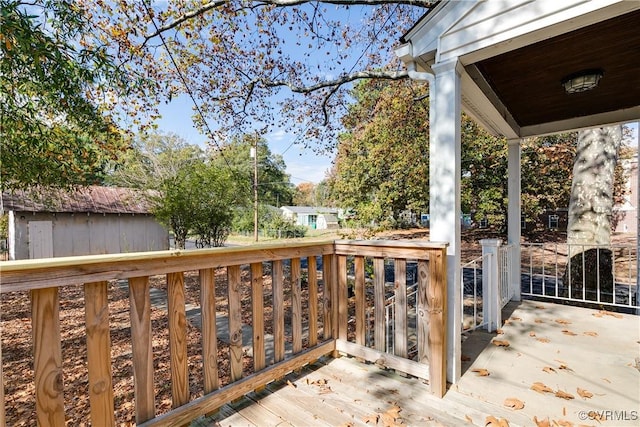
point(92, 199)
point(309, 209)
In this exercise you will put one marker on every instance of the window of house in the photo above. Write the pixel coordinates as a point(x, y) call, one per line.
point(553, 221)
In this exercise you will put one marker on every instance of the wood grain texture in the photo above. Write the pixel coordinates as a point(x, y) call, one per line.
point(422, 314)
point(360, 301)
point(327, 286)
point(400, 307)
point(277, 286)
point(209, 331)
point(47, 357)
point(142, 354)
point(342, 298)
point(234, 280)
point(99, 353)
point(437, 299)
point(3, 419)
point(178, 339)
point(379, 326)
point(312, 272)
point(257, 315)
point(296, 305)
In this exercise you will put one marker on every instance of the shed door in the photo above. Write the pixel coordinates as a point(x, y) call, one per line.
point(40, 239)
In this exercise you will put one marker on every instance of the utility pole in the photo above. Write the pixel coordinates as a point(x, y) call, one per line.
point(254, 154)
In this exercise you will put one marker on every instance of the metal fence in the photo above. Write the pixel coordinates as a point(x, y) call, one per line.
point(597, 275)
point(472, 305)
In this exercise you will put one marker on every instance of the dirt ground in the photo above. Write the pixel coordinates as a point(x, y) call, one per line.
point(16, 336)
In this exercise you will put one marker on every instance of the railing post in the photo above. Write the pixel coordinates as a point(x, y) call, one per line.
point(437, 308)
point(491, 284)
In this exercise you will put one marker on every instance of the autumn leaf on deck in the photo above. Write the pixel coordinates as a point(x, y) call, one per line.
point(481, 372)
point(549, 369)
point(563, 321)
point(564, 395)
point(563, 423)
point(603, 313)
point(290, 384)
point(391, 417)
point(541, 388)
point(565, 367)
point(597, 416)
point(499, 332)
point(492, 421)
point(585, 394)
point(542, 423)
point(532, 334)
point(512, 402)
point(541, 307)
point(468, 418)
point(371, 419)
point(591, 333)
point(568, 332)
point(501, 343)
point(539, 321)
point(544, 340)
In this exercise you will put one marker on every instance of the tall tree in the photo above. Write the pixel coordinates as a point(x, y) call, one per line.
point(56, 97)
point(590, 209)
point(381, 167)
point(305, 195)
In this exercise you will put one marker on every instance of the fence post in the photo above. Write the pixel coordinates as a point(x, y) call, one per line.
point(490, 283)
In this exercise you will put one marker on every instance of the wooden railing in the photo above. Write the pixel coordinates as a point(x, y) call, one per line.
point(302, 309)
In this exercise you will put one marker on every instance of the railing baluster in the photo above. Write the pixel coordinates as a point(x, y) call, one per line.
point(209, 331)
point(422, 317)
point(278, 310)
point(99, 354)
point(140, 306)
point(235, 321)
point(380, 340)
point(296, 305)
point(312, 273)
point(360, 300)
point(47, 354)
point(328, 325)
point(178, 339)
point(257, 316)
point(342, 297)
point(400, 320)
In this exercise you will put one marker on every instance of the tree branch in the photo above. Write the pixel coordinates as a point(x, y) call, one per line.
point(360, 75)
point(282, 3)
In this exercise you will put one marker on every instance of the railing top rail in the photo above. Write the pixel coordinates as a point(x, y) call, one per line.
point(402, 249)
point(402, 243)
point(39, 273)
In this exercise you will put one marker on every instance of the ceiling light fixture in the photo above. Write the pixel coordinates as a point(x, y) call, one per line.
point(582, 80)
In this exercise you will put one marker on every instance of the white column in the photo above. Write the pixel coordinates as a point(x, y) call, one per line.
point(444, 196)
point(491, 309)
point(514, 214)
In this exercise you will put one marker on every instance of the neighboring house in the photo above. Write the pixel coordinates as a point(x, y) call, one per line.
point(319, 218)
point(86, 221)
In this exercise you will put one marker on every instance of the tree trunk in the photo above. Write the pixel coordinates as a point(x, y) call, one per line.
point(589, 272)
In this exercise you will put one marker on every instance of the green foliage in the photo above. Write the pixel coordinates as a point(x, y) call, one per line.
point(281, 227)
point(381, 167)
point(54, 131)
point(274, 186)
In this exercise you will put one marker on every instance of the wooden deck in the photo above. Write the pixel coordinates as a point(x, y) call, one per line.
point(336, 392)
point(591, 355)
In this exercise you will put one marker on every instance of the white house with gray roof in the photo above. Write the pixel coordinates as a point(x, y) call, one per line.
point(317, 218)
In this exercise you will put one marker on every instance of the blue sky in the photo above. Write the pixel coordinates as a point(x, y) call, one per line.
point(302, 163)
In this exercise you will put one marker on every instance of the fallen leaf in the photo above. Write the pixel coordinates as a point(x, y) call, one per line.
point(564, 395)
point(468, 418)
point(499, 332)
point(481, 372)
point(540, 307)
point(512, 402)
point(549, 369)
point(563, 423)
point(542, 423)
point(492, 421)
point(290, 384)
point(585, 394)
point(544, 340)
point(591, 333)
point(563, 322)
point(373, 419)
point(565, 367)
point(603, 313)
point(532, 334)
point(606, 380)
point(501, 343)
point(597, 416)
point(541, 388)
point(568, 332)
point(539, 321)
point(516, 318)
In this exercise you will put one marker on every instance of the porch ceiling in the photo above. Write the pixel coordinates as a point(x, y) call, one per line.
point(526, 81)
